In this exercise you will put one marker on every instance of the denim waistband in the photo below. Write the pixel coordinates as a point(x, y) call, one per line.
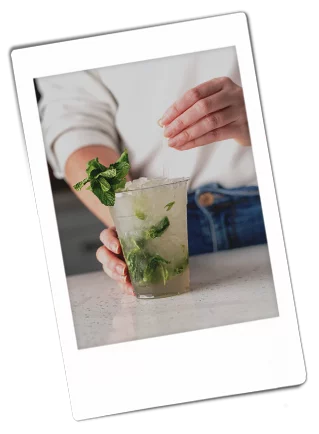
point(223, 198)
point(221, 194)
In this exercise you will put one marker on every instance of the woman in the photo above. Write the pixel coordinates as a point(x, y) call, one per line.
point(200, 103)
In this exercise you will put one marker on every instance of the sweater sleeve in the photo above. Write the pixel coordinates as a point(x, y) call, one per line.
point(76, 110)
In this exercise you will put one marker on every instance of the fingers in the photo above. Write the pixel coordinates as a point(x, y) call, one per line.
point(113, 265)
point(110, 239)
point(113, 262)
point(113, 274)
point(190, 98)
point(199, 110)
point(206, 124)
point(217, 135)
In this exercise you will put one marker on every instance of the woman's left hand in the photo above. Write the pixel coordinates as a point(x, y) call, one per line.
point(211, 112)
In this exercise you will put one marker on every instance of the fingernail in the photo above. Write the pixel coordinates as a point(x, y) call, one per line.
point(164, 119)
point(120, 269)
point(160, 122)
point(172, 143)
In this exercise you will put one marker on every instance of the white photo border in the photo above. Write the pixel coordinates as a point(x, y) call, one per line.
point(221, 361)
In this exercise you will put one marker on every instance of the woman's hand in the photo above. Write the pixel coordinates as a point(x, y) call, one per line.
point(110, 256)
point(211, 112)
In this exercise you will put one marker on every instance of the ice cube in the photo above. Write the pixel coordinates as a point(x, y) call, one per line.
point(144, 182)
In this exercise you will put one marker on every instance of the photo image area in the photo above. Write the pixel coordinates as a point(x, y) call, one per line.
point(118, 107)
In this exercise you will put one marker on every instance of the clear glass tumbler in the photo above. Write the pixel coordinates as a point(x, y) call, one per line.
point(151, 223)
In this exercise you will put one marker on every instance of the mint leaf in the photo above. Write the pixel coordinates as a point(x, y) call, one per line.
point(140, 215)
point(122, 169)
point(81, 184)
point(124, 157)
point(106, 197)
point(137, 261)
point(181, 266)
point(156, 263)
point(159, 259)
point(94, 166)
point(164, 272)
point(169, 206)
point(108, 173)
point(157, 230)
point(104, 184)
point(119, 186)
point(132, 263)
point(178, 270)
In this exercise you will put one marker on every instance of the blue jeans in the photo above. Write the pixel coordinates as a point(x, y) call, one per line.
point(227, 219)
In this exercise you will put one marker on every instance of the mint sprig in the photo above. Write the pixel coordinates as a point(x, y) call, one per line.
point(106, 181)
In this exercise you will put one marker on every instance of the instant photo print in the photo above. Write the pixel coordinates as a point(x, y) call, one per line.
point(159, 216)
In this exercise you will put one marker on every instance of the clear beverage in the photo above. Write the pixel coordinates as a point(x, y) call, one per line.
point(151, 222)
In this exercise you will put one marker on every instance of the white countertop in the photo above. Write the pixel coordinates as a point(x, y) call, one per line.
point(226, 288)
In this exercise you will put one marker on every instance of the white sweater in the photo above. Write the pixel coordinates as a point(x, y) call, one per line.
point(119, 107)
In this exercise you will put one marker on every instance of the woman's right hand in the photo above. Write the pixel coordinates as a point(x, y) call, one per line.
point(111, 257)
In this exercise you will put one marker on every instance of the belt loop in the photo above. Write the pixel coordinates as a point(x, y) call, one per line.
point(209, 217)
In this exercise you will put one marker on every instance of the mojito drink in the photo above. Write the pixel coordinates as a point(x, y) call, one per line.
point(151, 222)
